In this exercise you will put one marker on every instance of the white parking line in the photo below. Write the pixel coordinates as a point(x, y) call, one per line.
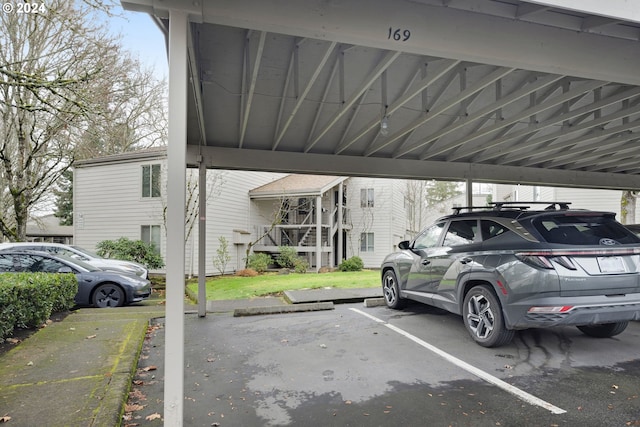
point(522, 395)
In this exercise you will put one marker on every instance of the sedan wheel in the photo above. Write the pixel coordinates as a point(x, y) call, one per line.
point(483, 318)
point(605, 330)
point(391, 290)
point(108, 295)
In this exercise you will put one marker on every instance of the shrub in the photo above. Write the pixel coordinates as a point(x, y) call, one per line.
point(287, 257)
point(259, 261)
point(28, 299)
point(300, 265)
point(131, 250)
point(352, 264)
point(222, 255)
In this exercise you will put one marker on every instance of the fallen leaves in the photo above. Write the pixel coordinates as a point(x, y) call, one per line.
point(5, 418)
point(149, 368)
point(90, 337)
point(154, 416)
point(133, 407)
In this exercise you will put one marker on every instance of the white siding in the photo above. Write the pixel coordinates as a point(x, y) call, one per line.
point(228, 210)
point(108, 205)
point(386, 220)
point(580, 198)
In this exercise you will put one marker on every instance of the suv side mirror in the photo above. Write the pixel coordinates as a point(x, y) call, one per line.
point(404, 245)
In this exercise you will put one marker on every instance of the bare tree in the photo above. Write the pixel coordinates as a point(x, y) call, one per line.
point(215, 182)
point(415, 196)
point(58, 83)
point(129, 112)
point(280, 210)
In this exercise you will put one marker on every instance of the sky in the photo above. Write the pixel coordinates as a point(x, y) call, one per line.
point(142, 37)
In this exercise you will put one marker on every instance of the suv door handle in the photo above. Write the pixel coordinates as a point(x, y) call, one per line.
point(426, 262)
point(465, 260)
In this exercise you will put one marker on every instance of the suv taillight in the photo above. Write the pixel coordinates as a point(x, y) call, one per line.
point(544, 260)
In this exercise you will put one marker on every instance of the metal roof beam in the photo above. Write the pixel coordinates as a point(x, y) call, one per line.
point(526, 10)
point(441, 69)
point(481, 84)
point(566, 154)
point(385, 63)
point(246, 108)
point(466, 151)
point(592, 22)
point(303, 95)
point(490, 108)
point(602, 121)
point(330, 164)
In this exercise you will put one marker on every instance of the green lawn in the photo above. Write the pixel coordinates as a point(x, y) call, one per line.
point(233, 287)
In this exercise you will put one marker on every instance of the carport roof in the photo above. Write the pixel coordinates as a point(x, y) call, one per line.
point(484, 90)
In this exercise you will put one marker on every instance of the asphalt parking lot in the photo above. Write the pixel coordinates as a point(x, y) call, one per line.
point(357, 366)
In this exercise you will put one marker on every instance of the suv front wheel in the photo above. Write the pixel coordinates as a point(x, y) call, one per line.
point(391, 290)
point(483, 317)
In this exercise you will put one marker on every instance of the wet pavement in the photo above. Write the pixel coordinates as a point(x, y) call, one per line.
point(340, 368)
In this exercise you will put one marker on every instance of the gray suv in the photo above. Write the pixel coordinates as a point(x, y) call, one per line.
point(510, 267)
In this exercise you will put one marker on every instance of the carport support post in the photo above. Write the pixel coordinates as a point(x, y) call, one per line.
point(202, 239)
point(318, 232)
point(340, 221)
point(176, 196)
point(469, 192)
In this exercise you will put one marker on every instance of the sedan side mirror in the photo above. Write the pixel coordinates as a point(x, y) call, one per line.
point(404, 245)
point(65, 270)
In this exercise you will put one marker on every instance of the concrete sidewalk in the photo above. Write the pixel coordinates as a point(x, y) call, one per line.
point(78, 372)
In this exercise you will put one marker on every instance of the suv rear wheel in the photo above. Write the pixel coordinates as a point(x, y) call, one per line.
point(483, 317)
point(605, 330)
point(391, 290)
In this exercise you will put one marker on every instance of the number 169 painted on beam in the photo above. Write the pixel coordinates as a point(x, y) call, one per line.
point(398, 34)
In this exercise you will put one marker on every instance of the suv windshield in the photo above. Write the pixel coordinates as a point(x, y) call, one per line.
point(583, 230)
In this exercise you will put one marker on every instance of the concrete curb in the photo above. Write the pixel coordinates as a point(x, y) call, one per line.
point(374, 302)
point(254, 311)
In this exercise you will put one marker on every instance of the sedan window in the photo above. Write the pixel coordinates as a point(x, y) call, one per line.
point(24, 262)
point(6, 263)
point(51, 265)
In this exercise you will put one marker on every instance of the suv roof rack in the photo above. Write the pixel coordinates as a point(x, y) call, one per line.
point(551, 206)
point(523, 206)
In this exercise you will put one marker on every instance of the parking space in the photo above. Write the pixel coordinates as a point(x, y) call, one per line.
point(374, 366)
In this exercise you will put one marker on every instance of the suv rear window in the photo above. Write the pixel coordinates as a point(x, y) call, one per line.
point(583, 230)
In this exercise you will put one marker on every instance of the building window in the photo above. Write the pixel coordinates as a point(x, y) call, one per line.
point(366, 198)
point(151, 180)
point(366, 242)
point(151, 234)
point(481, 188)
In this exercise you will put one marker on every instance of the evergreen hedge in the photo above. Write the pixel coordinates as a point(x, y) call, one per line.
point(27, 300)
